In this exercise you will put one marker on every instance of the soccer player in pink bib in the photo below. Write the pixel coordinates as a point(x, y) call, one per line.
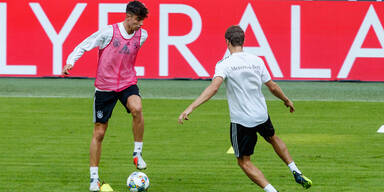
point(115, 80)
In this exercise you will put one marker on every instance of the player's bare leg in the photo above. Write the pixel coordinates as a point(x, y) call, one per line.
point(97, 139)
point(282, 150)
point(254, 173)
point(135, 106)
point(95, 153)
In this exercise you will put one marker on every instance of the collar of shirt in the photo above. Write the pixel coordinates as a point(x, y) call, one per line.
point(123, 32)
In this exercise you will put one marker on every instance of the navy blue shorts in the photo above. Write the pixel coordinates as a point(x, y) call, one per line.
point(244, 139)
point(105, 101)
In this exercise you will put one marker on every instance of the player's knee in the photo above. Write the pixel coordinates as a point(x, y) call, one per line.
point(99, 132)
point(243, 163)
point(239, 162)
point(136, 110)
point(271, 139)
point(99, 136)
point(268, 139)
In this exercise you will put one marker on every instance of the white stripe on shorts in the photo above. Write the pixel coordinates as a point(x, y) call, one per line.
point(235, 144)
point(94, 108)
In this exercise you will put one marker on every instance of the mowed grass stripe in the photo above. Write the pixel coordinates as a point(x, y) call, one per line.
point(45, 142)
point(188, 89)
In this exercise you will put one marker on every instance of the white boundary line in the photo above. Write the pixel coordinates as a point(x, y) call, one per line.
point(182, 98)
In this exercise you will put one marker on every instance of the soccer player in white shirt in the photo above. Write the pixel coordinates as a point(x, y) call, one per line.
point(244, 74)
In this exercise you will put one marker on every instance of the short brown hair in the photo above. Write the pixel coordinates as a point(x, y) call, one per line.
point(235, 35)
point(137, 8)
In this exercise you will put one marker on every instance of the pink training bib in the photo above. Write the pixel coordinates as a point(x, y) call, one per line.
point(115, 70)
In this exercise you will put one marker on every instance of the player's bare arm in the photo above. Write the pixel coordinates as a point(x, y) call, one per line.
point(275, 89)
point(210, 91)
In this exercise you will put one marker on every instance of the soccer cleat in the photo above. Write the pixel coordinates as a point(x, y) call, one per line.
point(94, 185)
point(139, 161)
point(302, 180)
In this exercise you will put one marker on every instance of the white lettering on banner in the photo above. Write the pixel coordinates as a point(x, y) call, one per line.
point(249, 18)
point(104, 9)
point(296, 70)
point(57, 39)
point(371, 19)
point(4, 68)
point(179, 42)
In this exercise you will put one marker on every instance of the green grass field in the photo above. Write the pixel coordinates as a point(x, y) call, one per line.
point(46, 127)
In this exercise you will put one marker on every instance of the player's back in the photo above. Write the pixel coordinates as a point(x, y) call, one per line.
point(245, 70)
point(245, 74)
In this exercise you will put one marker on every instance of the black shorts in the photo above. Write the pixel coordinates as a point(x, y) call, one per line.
point(244, 139)
point(105, 101)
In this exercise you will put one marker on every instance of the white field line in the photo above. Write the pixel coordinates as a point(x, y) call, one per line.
point(42, 96)
point(182, 98)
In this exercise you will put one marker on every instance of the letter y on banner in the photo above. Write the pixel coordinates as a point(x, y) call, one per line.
point(57, 39)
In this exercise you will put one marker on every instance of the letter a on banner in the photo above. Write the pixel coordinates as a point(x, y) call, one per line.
point(371, 19)
point(249, 18)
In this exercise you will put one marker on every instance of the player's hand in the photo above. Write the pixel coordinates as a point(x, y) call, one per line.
point(66, 69)
point(289, 104)
point(184, 115)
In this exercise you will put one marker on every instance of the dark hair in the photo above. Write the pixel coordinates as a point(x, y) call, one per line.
point(137, 8)
point(235, 35)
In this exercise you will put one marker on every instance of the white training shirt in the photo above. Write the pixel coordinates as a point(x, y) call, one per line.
point(244, 74)
point(101, 39)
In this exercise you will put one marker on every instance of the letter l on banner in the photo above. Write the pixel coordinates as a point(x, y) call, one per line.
point(4, 68)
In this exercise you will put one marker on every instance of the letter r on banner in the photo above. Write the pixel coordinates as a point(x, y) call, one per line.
point(179, 42)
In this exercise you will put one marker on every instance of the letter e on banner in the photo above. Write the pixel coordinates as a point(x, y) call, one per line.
point(104, 9)
point(179, 42)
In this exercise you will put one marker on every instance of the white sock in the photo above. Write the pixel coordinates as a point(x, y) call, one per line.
point(269, 188)
point(94, 172)
point(138, 147)
point(292, 167)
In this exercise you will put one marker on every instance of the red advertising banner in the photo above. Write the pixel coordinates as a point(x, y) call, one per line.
point(298, 40)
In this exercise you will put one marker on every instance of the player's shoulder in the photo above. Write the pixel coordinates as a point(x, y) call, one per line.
point(224, 60)
point(106, 29)
point(248, 54)
point(254, 58)
point(144, 33)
